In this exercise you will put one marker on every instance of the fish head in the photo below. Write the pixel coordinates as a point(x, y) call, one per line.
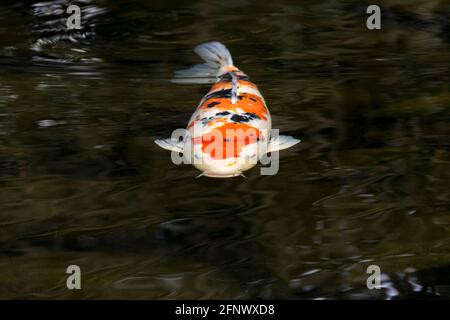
point(228, 151)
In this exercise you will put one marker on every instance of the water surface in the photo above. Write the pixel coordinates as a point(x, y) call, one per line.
point(81, 181)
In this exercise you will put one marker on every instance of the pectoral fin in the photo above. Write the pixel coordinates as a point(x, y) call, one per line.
point(170, 144)
point(281, 142)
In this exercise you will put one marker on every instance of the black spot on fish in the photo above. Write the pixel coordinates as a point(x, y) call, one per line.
point(224, 93)
point(226, 77)
point(224, 113)
point(239, 118)
point(253, 99)
point(252, 115)
point(212, 104)
point(206, 120)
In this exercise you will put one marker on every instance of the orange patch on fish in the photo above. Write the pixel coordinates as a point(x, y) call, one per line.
point(228, 140)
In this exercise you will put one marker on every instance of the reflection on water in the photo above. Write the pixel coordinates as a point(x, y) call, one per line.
point(81, 181)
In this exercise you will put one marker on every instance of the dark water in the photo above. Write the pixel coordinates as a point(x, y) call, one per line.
point(81, 181)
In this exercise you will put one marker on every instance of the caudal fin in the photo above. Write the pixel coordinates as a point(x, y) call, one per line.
point(217, 59)
point(215, 54)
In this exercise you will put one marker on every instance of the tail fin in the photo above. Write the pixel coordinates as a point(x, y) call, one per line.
point(215, 54)
point(217, 59)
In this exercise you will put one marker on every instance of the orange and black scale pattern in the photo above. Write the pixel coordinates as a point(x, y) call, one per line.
point(217, 111)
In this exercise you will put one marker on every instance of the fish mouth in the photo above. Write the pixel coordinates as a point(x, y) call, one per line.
point(218, 175)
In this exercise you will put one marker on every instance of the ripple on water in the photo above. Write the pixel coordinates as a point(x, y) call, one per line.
point(56, 44)
point(82, 182)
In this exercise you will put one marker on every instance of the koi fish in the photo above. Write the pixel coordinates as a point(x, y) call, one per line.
point(230, 129)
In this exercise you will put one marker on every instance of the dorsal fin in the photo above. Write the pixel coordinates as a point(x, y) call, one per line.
point(234, 88)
